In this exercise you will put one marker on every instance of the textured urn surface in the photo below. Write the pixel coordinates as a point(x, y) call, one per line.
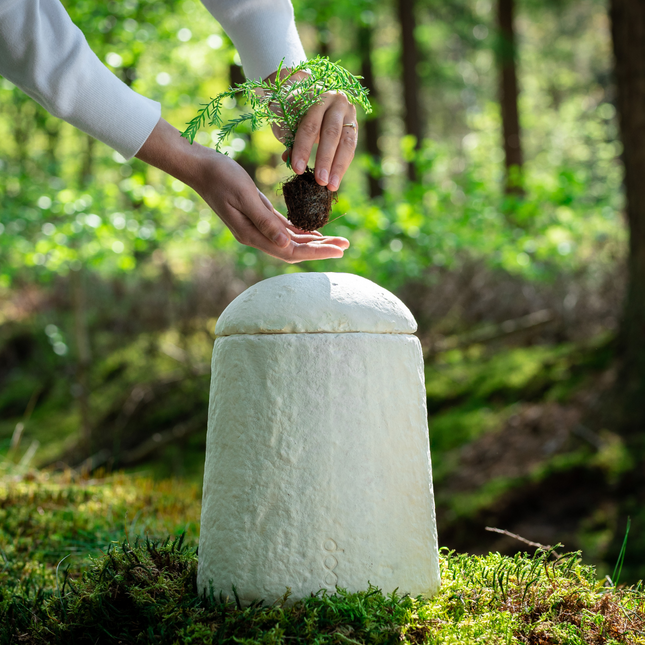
point(317, 460)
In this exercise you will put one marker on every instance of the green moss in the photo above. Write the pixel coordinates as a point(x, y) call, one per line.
point(462, 505)
point(480, 375)
point(462, 424)
point(43, 519)
point(135, 589)
point(146, 593)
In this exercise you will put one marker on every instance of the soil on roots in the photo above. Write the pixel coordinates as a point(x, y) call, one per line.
point(308, 203)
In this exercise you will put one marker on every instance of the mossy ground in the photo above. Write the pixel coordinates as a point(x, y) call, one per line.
point(488, 450)
point(128, 584)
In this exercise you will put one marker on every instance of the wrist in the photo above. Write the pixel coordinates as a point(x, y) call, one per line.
point(167, 150)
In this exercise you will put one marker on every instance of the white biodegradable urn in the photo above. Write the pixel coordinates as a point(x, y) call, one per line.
point(318, 469)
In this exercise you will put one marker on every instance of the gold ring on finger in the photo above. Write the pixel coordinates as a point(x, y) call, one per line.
point(349, 125)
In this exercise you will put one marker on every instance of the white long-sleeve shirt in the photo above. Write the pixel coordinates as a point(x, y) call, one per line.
point(47, 56)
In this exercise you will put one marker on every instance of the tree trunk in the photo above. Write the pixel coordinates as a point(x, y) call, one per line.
point(235, 75)
point(628, 33)
point(83, 357)
point(246, 158)
point(372, 124)
point(323, 37)
point(507, 59)
point(86, 173)
point(409, 75)
point(53, 138)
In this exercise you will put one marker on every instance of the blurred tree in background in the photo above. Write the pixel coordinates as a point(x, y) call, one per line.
point(508, 244)
point(508, 94)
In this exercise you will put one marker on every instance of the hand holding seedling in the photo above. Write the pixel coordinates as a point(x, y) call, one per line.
point(327, 123)
point(311, 102)
point(231, 193)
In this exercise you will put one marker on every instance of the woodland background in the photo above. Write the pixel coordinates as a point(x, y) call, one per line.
point(489, 193)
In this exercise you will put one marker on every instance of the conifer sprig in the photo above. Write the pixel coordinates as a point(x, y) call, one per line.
point(282, 102)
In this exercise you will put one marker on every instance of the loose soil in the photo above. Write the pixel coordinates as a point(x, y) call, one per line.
point(308, 203)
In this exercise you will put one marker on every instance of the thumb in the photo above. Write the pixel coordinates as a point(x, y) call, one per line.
point(267, 220)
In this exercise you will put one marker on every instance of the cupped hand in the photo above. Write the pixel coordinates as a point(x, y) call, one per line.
point(326, 123)
point(250, 216)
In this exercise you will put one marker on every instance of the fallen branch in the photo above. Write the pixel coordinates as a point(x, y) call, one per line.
point(139, 452)
point(490, 333)
point(160, 439)
point(537, 545)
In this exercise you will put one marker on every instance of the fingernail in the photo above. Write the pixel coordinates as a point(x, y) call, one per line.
point(323, 176)
point(333, 183)
point(281, 239)
point(300, 166)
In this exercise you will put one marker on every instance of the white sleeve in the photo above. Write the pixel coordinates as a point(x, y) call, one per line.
point(263, 32)
point(47, 56)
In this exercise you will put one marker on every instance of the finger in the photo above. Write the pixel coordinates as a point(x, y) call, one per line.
point(301, 246)
point(265, 200)
point(330, 135)
point(294, 251)
point(341, 242)
point(266, 219)
point(314, 251)
point(289, 226)
point(344, 152)
point(295, 229)
point(307, 135)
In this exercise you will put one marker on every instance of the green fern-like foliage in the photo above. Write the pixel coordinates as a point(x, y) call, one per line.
point(282, 102)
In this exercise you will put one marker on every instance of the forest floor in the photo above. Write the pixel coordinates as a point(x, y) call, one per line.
point(90, 561)
point(514, 439)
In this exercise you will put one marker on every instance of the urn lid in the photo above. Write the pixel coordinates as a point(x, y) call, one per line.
point(301, 303)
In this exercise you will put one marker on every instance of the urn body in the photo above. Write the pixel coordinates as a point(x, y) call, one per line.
point(318, 470)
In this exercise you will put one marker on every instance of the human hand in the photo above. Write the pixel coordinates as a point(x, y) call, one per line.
point(327, 124)
point(253, 221)
point(231, 193)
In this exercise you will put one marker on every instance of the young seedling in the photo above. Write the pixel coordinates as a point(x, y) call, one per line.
point(283, 103)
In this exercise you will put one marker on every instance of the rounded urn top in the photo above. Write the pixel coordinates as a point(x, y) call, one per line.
point(301, 303)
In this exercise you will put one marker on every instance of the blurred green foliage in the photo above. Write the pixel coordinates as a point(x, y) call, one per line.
point(66, 203)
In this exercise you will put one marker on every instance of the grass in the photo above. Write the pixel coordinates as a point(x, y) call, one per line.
point(127, 583)
point(45, 518)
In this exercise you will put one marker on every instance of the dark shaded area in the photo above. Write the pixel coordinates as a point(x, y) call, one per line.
point(626, 407)
point(372, 129)
point(549, 512)
point(410, 76)
point(508, 95)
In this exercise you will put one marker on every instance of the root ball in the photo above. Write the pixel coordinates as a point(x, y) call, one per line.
point(308, 203)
